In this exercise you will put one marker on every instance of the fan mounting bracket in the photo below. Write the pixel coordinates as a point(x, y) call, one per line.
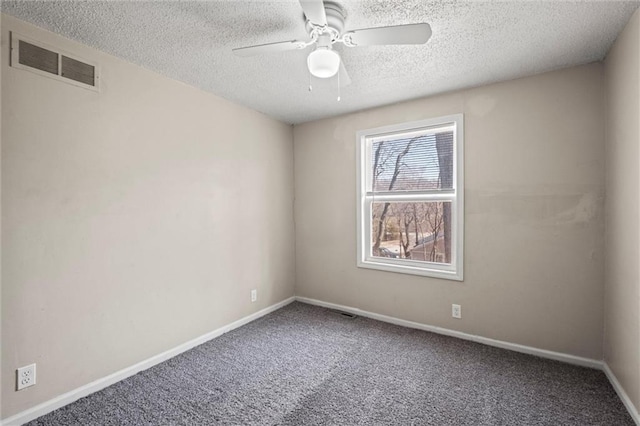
point(335, 22)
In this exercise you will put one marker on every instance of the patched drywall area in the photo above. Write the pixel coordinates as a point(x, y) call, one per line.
point(540, 207)
point(622, 284)
point(134, 219)
point(534, 214)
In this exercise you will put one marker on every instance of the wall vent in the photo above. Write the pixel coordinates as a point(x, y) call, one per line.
point(51, 62)
point(344, 314)
point(78, 71)
point(36, 57)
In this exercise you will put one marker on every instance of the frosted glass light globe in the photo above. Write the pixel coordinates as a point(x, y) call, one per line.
point(323, 62)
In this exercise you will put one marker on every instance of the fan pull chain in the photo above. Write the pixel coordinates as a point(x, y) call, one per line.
point(310, 87)
point(339, 86)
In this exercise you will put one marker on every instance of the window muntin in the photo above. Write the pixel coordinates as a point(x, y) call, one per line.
point(410, 203)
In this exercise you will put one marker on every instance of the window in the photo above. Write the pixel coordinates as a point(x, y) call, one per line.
point(410, 205)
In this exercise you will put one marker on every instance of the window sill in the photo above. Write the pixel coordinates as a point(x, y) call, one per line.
point(381, 265)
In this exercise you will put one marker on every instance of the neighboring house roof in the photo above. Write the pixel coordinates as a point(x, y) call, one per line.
point(427, 240)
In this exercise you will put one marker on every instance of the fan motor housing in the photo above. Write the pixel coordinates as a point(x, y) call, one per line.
point(335, 17)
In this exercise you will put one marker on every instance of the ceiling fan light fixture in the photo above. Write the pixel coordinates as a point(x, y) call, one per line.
point(323, 62)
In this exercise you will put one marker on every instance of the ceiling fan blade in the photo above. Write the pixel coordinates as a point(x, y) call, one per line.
point(260, 49)
point(314, 11)
point(399, 34)
point(345, 80)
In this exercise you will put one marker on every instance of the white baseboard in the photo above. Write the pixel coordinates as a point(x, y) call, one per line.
point(74, 395)
point(633, 411)
point(558, 356)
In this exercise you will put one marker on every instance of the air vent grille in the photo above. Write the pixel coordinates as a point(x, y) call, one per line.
point(47, 61)
point(344, 314)
point(78, 71)
point(36, 57)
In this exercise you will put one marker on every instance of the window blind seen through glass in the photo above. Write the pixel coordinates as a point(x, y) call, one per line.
point(416, 163)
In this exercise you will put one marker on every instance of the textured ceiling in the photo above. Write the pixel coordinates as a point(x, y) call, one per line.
point(473, 43)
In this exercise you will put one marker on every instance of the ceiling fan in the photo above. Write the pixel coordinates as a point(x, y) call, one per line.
point(325, 25)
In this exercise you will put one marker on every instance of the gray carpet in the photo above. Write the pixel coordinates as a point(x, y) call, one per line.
point(305, 365)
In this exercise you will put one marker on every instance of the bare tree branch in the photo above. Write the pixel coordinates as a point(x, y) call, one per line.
point(396, 172)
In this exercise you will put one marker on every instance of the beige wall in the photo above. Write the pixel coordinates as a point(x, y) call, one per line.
point(534, 178)
point(622, 288)
point(134, 219)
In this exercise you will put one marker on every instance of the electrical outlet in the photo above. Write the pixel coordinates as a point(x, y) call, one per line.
point(456, 311)
point(254, 295)
point(26, 376)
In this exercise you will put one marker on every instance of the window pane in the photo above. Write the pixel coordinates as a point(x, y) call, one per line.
point(412, 230)
point(423, 162)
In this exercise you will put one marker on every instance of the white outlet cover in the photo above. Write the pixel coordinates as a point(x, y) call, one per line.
point(254, 295)
point(26, 376)
point(456, 311)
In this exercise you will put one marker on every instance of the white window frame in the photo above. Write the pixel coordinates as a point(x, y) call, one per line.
point(364, 141)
